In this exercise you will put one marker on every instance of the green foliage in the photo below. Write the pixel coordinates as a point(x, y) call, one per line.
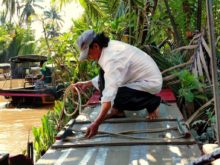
point(61, 3)
point(190, 86)
point(108, 6)
point(28, 9)
point(185, 16)
point(53, 21)
point(3, 16)
point(117, 18)
point(44, 136)
point(27, 42)
point(5, 38)
point(161, 59)
point(216, 15)
point(16, 41)
point(64, 55)
point(10, 7)
point(158, 26)
point(211, 117)
point(92, 8)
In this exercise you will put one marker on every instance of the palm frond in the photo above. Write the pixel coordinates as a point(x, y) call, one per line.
point(10, 6)
point(109, 6)
point(139, 3)
point(93, 10)
point(62, 2)
point(28, 9)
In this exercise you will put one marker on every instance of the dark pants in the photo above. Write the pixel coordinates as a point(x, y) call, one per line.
point(131, 99)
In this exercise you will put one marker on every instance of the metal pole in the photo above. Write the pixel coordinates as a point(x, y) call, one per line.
point(214, 66)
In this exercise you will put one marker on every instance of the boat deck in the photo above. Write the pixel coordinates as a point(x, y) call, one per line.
point(28, 92)
point(162, 141)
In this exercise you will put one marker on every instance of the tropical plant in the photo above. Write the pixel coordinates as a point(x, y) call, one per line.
point(43, 136)
point(190, 86)
point(51, 123)
point(10, 6)
point(53, 21)
point(5, 38)
point(21, 43)
point(157, 27)
point(28, 8)
point(3, 16)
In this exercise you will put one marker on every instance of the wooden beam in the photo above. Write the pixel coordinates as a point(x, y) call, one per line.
point(123, 143)
point(128, 120)
point(214, 66)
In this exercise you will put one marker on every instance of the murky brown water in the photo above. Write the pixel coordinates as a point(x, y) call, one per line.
point(16, 125)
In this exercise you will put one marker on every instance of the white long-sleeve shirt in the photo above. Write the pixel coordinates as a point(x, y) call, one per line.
point(126, 65)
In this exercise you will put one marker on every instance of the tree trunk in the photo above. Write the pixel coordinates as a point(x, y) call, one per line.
point(45, 36)
point(178, 39)
point(199, 15)
point(154, 7)
point(187, 11)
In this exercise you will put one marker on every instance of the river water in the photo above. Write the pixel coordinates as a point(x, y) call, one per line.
point(16, 123)
point(16, 126)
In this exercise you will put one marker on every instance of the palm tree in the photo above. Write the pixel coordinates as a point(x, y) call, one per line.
point(28, 9)
point(53, 16)
point(92, 8)
point(2, 17)
point(54, 21)
point(10, 6)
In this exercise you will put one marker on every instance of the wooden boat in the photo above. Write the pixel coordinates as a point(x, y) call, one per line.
point(20, 87)
point(131, 140)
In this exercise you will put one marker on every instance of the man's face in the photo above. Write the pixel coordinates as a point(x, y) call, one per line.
point(94, 52)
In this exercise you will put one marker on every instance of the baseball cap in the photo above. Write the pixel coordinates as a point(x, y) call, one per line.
point(83, 42)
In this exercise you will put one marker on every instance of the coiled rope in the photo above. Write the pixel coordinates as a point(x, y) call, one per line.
point(73, 89)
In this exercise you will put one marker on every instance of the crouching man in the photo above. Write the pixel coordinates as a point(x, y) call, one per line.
point(128, 79)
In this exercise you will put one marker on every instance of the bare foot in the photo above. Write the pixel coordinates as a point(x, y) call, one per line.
point(114, 113)
point(154, 114)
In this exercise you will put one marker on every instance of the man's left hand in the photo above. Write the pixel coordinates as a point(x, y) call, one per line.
point(92, 130)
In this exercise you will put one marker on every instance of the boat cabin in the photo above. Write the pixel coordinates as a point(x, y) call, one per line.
point(23, 86)
point(4, 71)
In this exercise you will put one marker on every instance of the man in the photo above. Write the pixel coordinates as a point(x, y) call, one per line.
point(128, 80)
point(45, 77)
point(45, 73)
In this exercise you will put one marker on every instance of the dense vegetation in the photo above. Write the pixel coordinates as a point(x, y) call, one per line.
point(174, 33)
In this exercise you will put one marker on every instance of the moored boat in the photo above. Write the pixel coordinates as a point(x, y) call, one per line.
point(22, 86)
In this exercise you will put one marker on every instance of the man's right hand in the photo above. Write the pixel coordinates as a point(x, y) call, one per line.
point(83, 85)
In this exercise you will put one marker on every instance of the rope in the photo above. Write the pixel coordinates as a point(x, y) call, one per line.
point(123, 134)
point(73, 89)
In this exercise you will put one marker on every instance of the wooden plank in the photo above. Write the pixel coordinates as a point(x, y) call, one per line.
point(122, 155)
point(128, 120)
point(153, 148)
point(214, 67)
point(158, 138)
point(167, 112)
point(127, 124)
point(123, 143)
point(108, 150)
